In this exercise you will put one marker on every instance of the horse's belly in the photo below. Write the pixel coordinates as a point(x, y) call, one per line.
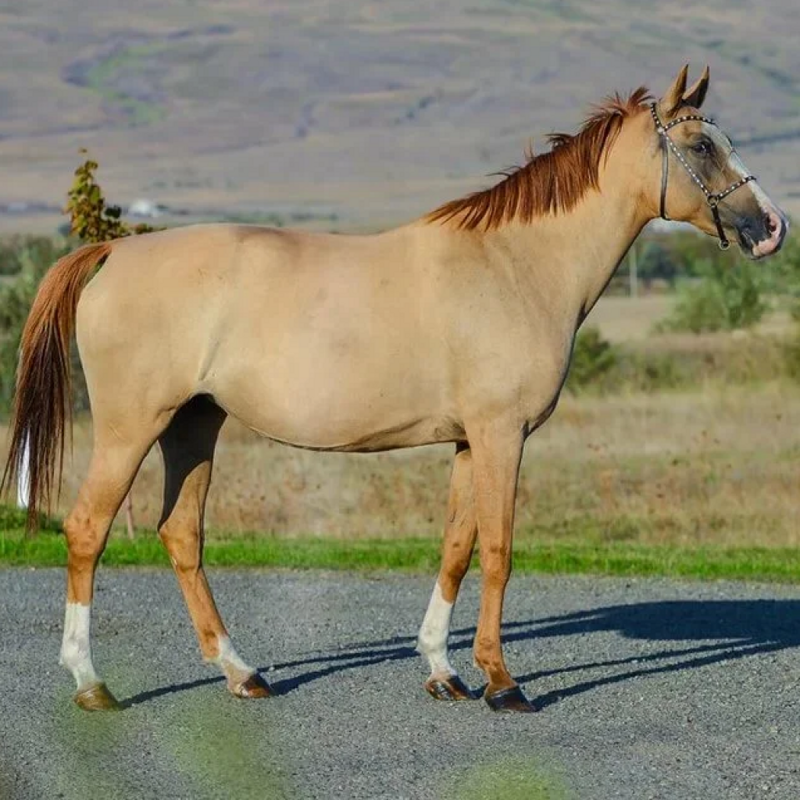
point(330, 406)
point(368, 439)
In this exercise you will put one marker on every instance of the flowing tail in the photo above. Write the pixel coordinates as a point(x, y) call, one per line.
point(43, 398)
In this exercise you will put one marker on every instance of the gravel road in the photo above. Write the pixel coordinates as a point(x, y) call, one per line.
point(648, 688)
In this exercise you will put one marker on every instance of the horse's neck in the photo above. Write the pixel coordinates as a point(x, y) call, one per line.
point(607, 226)
point(578, 251)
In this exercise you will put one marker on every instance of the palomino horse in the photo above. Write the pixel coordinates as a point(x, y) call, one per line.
point(455, 328)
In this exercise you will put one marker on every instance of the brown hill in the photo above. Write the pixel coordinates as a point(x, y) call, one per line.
point(347, 114)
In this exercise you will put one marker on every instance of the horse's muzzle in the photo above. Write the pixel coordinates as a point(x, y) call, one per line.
point(776, 226)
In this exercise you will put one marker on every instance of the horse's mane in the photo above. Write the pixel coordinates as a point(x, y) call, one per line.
point(551, 182)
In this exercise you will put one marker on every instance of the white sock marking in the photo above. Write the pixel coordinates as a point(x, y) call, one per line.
point(76, 648)
point(432, 640)
point(229, 661)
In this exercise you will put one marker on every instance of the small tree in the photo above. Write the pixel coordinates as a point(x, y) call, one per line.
point(92, 220)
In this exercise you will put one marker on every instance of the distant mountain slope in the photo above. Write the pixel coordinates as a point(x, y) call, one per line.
point(371, 112)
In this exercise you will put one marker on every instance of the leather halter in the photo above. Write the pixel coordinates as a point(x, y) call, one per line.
point(712, 198)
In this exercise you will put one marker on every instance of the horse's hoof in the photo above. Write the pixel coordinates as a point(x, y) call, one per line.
point(254, 687)
point(96, 698)
point(452, 688)
point(511, 699)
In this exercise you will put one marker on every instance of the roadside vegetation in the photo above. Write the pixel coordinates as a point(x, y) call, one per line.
point(675, 449)
point(780, 565)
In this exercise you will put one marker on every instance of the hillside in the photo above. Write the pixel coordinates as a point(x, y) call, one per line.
point(351, 114)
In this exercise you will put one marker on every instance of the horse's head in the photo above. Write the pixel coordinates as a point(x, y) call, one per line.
point(703, 180)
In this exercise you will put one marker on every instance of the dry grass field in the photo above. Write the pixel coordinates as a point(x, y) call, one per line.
point(625, 320)
point(717, 467)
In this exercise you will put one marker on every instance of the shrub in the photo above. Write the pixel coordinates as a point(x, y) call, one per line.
point(592, 358)
point(16, 297)
point(724, 298)
point(14, 250)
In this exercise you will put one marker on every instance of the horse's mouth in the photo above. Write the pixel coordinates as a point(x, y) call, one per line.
point(774, 224)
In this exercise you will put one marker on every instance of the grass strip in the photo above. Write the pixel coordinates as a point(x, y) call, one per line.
point(422, 555)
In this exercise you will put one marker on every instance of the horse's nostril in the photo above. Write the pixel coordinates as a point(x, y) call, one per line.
point(771, 222)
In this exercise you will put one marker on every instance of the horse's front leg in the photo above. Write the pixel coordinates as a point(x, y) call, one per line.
point(460, 532)
point(496, 452)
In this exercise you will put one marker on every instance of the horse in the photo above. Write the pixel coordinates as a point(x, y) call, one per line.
point(456, 327)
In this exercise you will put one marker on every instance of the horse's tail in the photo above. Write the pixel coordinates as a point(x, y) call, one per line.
point(43, 398)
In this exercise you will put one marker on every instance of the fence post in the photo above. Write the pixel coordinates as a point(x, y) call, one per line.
point(633, 271)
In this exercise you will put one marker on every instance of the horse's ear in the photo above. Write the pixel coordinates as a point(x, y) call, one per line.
point(673, 98)
point(694, 97)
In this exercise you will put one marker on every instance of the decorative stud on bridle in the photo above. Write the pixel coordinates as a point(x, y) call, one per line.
point(712, 198)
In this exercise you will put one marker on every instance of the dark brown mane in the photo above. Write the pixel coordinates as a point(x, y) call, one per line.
point(552, 182)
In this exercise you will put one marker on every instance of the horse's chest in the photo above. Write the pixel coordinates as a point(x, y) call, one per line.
point(531, 375)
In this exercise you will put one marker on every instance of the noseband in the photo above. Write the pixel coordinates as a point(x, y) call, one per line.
point(712, 198)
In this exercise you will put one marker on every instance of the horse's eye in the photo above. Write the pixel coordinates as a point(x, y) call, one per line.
point(702, 148)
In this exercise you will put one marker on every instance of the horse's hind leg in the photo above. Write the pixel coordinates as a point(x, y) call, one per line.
point(188, 449)
point(114, 465)
point(459, 541)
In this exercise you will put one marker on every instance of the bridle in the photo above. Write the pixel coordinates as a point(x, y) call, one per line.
point(712, 198)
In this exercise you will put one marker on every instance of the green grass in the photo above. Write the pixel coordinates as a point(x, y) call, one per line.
point(422, 555)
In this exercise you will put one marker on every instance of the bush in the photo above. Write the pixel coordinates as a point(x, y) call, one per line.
point(724, 298)
point(14, 250)
point(16, 297)
point(605, 369)
point(592, 358)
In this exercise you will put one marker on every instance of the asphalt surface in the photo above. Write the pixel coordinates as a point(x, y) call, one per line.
point(648, 689)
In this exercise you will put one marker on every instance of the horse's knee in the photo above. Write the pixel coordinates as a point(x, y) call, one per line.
point(84, 538)
point(496, 565)
point(458, 555)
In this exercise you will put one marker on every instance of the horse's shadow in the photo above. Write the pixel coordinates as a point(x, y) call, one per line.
point(711, 630)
